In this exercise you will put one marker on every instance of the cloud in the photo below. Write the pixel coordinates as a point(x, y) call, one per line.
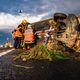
point(35, 7)
point(33, 10)
point(10, 21)
point(39, 6)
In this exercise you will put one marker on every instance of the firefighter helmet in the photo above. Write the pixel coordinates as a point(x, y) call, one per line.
point(24, 21)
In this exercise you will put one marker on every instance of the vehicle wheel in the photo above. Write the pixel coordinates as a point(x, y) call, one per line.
point(60, 16)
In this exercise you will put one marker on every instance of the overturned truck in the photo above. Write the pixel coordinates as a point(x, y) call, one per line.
point(66, 30)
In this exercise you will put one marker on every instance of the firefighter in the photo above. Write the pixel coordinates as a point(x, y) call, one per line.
point(28, 37)
point(14, 36)
point(23, 25)
point(18, 34)
point(17, 37)
point(8, 44)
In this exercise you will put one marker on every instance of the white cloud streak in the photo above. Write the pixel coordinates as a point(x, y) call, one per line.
point(8, 21)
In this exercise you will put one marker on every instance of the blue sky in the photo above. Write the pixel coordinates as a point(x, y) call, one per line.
point(33, 10)
point(38, 6)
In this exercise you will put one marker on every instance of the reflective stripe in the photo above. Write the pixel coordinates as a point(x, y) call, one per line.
point(28, 42)
point(18, 36)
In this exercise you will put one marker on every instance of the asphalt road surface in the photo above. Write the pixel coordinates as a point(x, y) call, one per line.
point(37, 69)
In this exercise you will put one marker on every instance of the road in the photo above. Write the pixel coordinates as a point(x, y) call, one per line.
point(37, 69)
point(5, 52)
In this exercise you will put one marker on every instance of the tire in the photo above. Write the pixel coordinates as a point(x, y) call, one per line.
point(60, 16)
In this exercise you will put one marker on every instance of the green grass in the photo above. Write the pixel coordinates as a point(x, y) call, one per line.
point(57, 55)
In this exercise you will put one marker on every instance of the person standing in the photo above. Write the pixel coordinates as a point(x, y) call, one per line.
point(18, 34)
point(28, 37)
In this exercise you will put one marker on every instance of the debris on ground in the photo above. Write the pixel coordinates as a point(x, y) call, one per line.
point(41, 52)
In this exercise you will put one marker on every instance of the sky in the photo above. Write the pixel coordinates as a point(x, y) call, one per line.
point(33, 10)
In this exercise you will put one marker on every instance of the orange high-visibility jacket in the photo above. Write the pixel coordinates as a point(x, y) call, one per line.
point(18, 33)
point(28, 35)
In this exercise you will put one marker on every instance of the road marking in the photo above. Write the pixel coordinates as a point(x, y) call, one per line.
point(3, 53)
